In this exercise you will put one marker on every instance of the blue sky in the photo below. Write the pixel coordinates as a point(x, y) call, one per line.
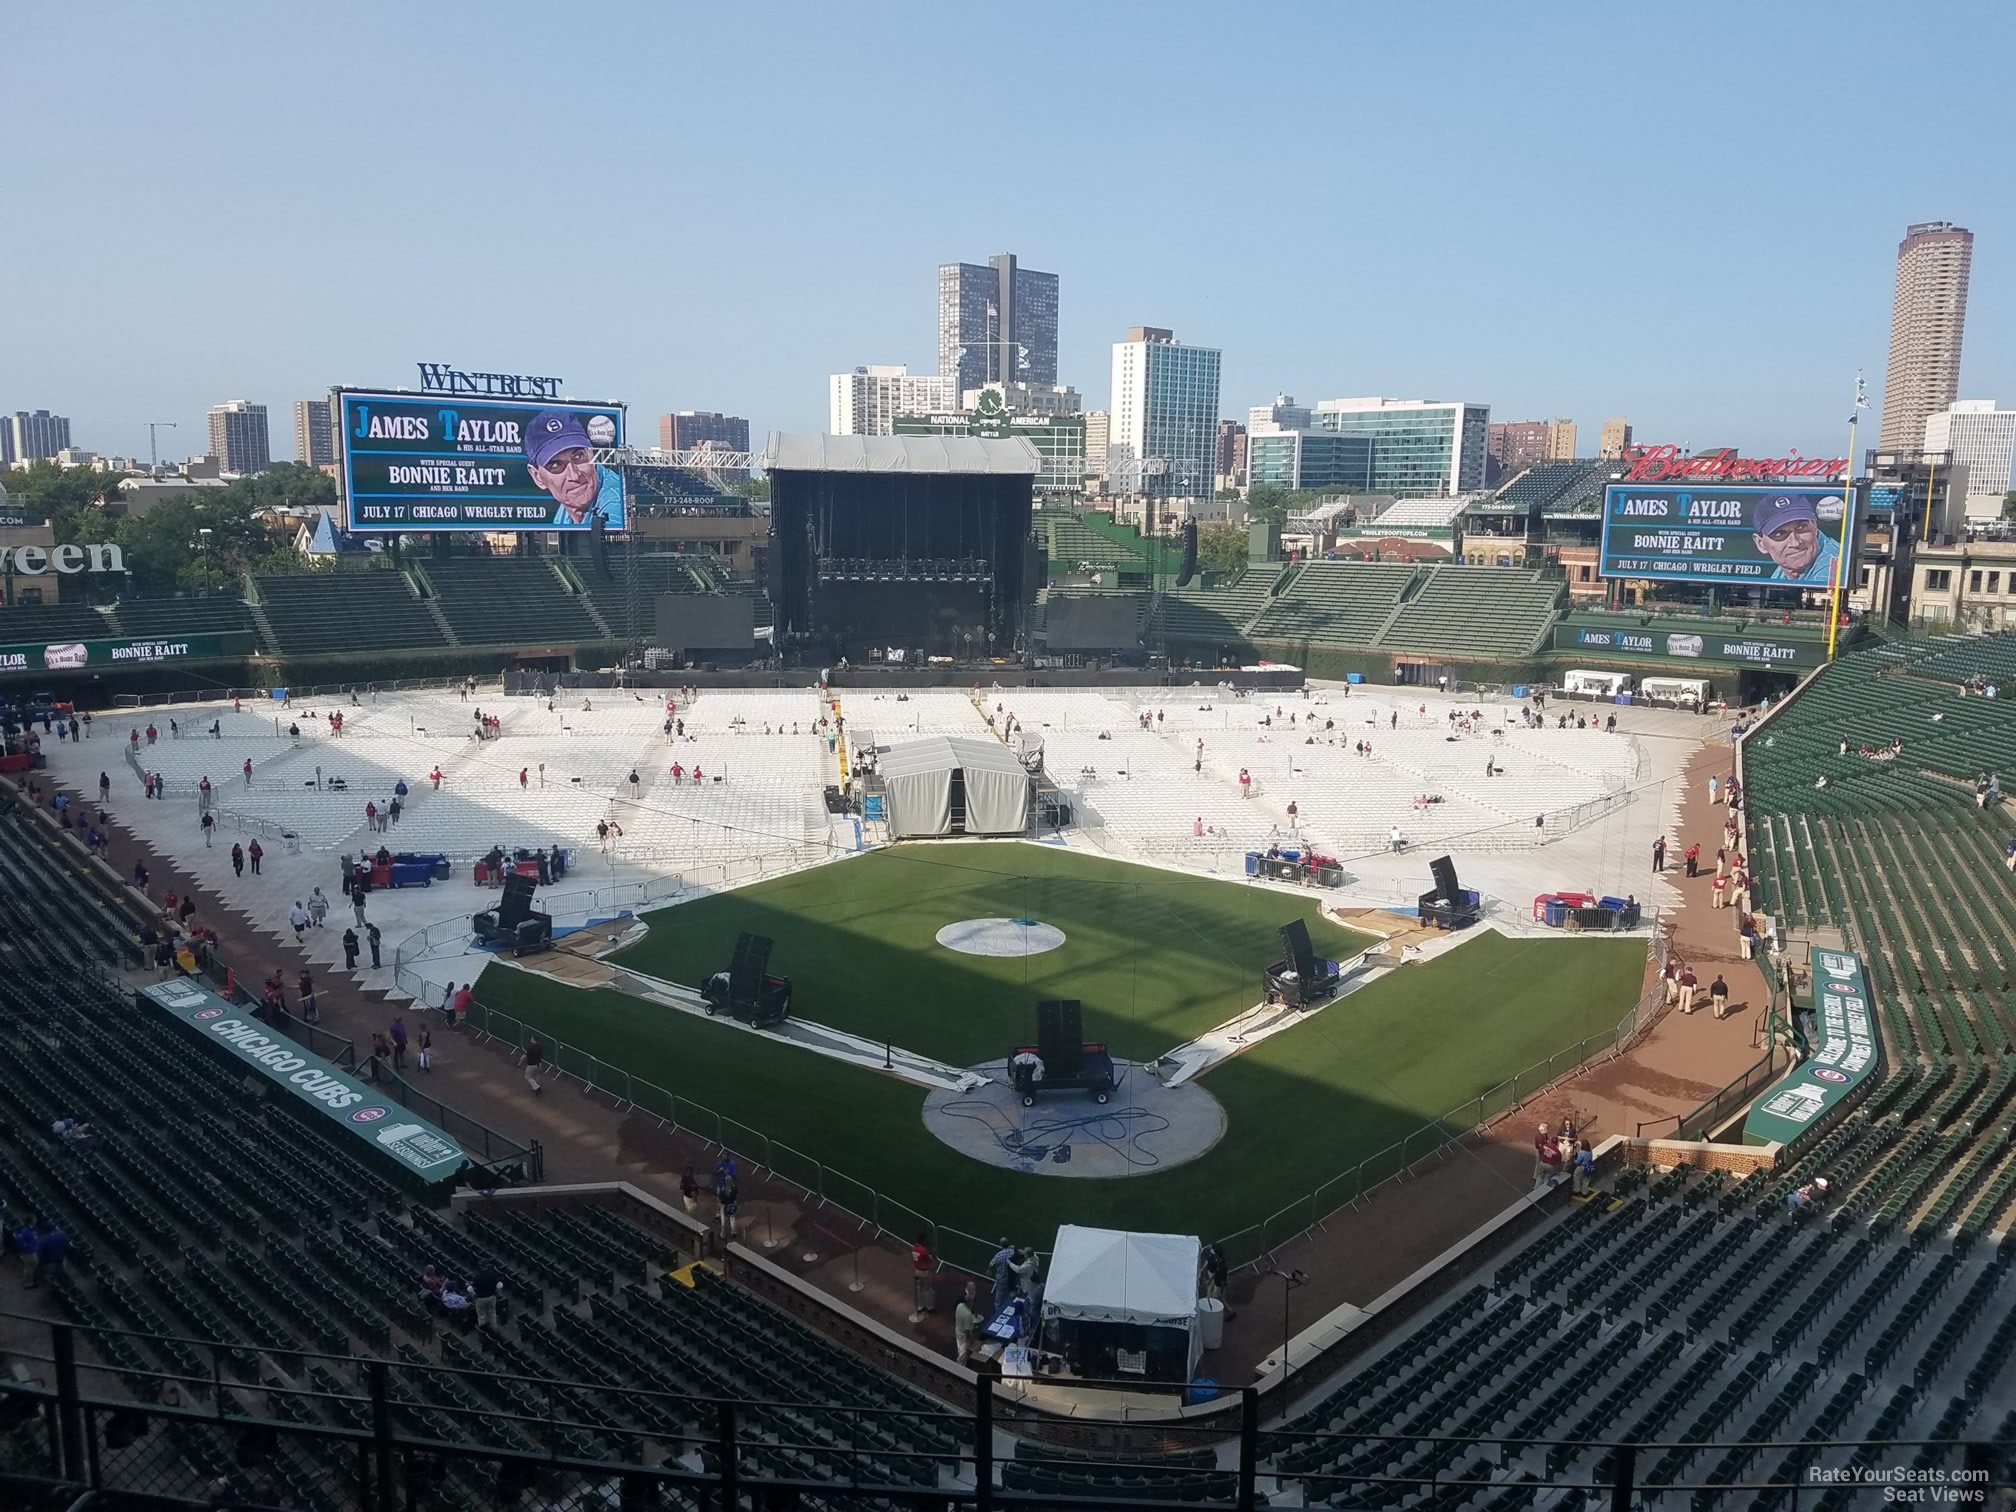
point(1685, 214)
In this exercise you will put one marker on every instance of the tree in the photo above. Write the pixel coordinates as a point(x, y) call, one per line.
point(757, 489)
point(1221, 548)
point(2009, 505)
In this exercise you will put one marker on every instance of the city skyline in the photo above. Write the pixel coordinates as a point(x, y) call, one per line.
point(1516, 303)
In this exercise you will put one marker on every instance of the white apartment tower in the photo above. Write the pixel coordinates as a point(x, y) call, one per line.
point(1163, 430)
point(1982, 439)
point(867, 401)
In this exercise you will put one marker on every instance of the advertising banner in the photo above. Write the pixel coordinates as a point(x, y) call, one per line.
point(1665, 644)
point(101, 655)
point(1845, 1053)
point(1771, 536)
point(343, 1097)
point(433, 462)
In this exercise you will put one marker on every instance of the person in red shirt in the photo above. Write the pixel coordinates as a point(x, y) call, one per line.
point(922, 1294)
point(521, 779)
point(1721, 898)
point(1694, 860)
point(1546, 1157)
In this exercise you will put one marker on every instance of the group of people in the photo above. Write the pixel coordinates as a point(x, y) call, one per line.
point(1563, 1150)
point(456, 1294)
point(726, 1192)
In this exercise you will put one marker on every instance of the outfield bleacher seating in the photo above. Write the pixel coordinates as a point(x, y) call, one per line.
point(1216, 614)
point(326, 614)
point(507, 600)
point(656, 573)
point(1336, 603)
point(214, 614)
point(54, 622)
point(1479, 613)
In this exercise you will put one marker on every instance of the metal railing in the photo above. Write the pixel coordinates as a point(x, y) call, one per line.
point(357, 1434)
point(318, 690)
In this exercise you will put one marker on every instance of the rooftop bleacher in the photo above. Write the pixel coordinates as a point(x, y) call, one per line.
point(1478, 613)
point(508, 600)
point(1418, 512)
point(326, 614)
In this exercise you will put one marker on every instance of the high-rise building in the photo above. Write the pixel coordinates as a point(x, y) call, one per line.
point(1560, 440)
point(35, 435)
point(1283, 414)
point(997, 323)
point(1097, 431)
point(238, 437)
point(694, 430)
point(1982, 439)
point(1303, 457)
point(1616, 436)
point(1231, 470)
point(1421, 448)
point(316, 433)
point(1164, 434)
point(1928, 316)
point(1512, 446)
point(867, 401)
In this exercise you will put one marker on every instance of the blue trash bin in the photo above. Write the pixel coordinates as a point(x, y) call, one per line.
point(1253, 863)
point(1557, 914)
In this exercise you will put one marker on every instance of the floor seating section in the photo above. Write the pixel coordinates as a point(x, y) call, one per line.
point(325, 614)
point(508, 600)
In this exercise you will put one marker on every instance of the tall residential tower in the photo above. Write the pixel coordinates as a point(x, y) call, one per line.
point(1928, 316)
point(1164, 432)
point(997, 323)
point(238, 437)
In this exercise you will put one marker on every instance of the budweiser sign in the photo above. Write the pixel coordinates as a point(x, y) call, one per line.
point(1654, 464)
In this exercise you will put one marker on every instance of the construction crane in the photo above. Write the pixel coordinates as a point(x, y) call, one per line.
point(153, 450)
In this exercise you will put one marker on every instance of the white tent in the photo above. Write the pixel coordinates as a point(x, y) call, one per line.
point(1111, 1277)
point(918, 778)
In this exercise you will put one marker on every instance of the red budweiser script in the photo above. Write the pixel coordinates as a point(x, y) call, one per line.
point(1651, 464)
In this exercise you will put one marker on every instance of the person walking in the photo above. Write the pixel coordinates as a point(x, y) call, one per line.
point(248, 771)
point(965, 1323)
point(435, 778)
point(306, 984)
point(1714, 789)
point(357, 901)
point(371, 934)
point(255, 854)
point(535, 1057)
point(1720, 890)
point(522, 782)
point(318, 908)
point(203, 795)
point(1546, 1156)
point(1694, 860)
point(397, 1035)
point(728, 1196)
point(602, 833)
point(923, 1299)
point(209, 823)
point(1688, 983)
point(1718, 996)
point(424, 1047)
point(1671, 976)
point(689, 1192)
point(298, 917)
point(237, 858)
point(1658, 855)
point(349, 950)
point(463, 998)
point(104, 787)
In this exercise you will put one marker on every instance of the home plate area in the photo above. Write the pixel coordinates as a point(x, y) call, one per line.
point(1143, 1127)
point(1000, 937)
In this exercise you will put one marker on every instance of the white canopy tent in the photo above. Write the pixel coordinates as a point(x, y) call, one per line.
point(918, 777)
point(1124, 1293)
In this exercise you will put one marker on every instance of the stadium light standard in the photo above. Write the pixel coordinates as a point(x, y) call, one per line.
point(203, 534)
point(1847, 519)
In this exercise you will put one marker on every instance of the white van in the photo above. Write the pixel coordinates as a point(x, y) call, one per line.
point(1596, 684)
point(1684, 692)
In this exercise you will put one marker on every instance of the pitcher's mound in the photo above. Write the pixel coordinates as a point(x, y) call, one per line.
point(1000, 937)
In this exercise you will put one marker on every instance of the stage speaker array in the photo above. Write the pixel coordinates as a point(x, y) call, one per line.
point(1297, 951)
point(1189, 569)
point(1060, 1035)
point(517, 902)
point(1444, 871)
point(750, 963)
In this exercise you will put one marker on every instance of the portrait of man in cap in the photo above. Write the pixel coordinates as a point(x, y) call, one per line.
point(1787, 530)
point(558, 455)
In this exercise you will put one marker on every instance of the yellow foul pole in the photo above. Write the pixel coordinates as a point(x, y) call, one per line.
point(1847, 522)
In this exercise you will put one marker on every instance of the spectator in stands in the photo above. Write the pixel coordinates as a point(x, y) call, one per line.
point(535, 1057)
point(27, 1242)
point(52, 1251)
point(237, 858)
point(373, 938)
point(255, 853)
point(350, 950)
point(1718, 996)
point(432, 1284)
point(2009, 854)
point(485, 1289)
point(1810, 1195)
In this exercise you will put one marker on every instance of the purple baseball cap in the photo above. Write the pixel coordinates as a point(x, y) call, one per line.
point(1783, 509)
point(552, 431)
